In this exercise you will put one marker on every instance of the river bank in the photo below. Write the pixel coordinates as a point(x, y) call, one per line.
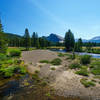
point(61, 82)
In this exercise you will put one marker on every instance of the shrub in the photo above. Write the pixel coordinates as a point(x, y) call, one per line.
point(22, 70)
point(16, 61)
point(75, 65)
point(11, 70)
point(85, 59)
point(43, 83)
point(2, 57)
point(15, 53)
point(10, 61)
point(7, 72)
point(44, 61)
point(36, 71)
point(83, 71)
point(48, 94)
point(56, 61)
point(36, 78)
point(71, 56)
point(95, 69)
point(87, 83)
point(53, 68)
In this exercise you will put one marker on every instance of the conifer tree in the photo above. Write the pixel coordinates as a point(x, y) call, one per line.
point(37, 44)
point(78, 45)
point(3, 44)
point(27, 40)
point(69, 40)
point(33, 40)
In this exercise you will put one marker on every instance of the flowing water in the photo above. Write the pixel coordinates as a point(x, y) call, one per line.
point(80, 53)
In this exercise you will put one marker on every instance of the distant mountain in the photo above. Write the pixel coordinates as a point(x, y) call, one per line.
point(95, 39)
point(84, 40)
point(54, 38)
point(10, 35)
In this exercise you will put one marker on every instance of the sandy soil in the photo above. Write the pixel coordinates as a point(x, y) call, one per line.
point(63, 80)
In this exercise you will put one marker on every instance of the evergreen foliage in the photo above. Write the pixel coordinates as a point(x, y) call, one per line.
point(78, 45)
point(27, 40)
point(3, 44)
point(69, 40)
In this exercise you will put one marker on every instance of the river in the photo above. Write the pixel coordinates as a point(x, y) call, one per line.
point(80, 53)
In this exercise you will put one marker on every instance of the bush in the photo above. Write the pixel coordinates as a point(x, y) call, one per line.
point(87, 83)
point(53, 68)
point(75, 65)
point(43, 83)
point(85, 59)
point(15, 53)
point(22, 70)
point(2, 57)
point(83, 71)
point(37, 71)
point(56, 61)
point(44, 61)
point(36, 78)
point(11, 70)
point(95, 69)
point(7, 72)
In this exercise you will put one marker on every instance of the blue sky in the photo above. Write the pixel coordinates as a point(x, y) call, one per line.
point(52, 16)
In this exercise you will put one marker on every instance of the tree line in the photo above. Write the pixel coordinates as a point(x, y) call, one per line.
point(71, 45)
point(28, 41)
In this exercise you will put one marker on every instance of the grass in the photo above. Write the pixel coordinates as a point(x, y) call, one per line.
point(97, 77)
point(87, 83)
point(43, 83)
point(10, 66)
point(2, 57)
point(56, 61)
point(48, 94)
point(11, 70)
point(37, 71)
point(53, 68)
point(36, 78)
point(83, 71)
point(15, 53)
point(61, 54)
point(85, 59)
point(75, 65)
point(44, 61)
point(70, 56)
point(95, 68)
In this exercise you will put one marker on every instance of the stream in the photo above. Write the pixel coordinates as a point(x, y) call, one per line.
point(80, 53)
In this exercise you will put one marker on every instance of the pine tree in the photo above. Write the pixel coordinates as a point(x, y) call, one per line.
point(27, 40)
point(3, 44)
point(37, 44)
point(1, 27)
point(78, 45)
point(69, 40)
point(33, 40)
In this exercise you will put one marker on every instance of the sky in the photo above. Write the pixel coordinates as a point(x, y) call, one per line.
point(51, 16)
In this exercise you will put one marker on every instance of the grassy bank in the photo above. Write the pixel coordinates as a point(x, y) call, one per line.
point(11, 65)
